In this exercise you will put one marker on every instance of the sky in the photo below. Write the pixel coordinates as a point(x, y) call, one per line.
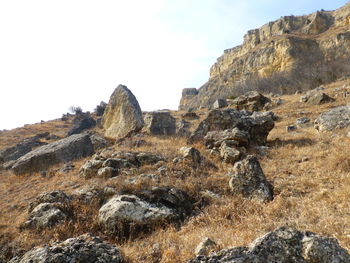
point(55, 54)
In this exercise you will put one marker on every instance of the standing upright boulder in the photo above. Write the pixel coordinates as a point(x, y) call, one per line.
point(123, 114)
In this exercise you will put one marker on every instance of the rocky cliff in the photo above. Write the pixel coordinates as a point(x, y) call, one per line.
point(289, 54)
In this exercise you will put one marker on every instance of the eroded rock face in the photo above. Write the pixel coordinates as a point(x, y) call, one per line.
point(289, 54)
point(160, 123)
point(248, 179)
point(67, 149)
point(335, 118)
point(81, 122)
point(148, 207)
point(252, 101)
point(123, 114)
point(85, 248)
point(284, 245)
point(257, 124)
point(316, 97)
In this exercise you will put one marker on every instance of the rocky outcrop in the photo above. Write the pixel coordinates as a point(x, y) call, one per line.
point(289, 54)
point(187, 95)
point(154, 206)
point(256, 125)
point(25, 146)
point(252, 101)
point(40, 159)
point(85, 248)
point(335, 118)
point(81, 122)
point(284, 245)
point(123, 115)
point(248, 180)
point(316, 97)
point(160, 123)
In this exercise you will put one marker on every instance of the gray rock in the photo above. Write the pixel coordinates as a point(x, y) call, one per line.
point(190, 116)
point(68, 149)
point(85, 248)
point(146, 158)
point(220, 103)
point(90, 168)
point(291, 128)
point(335, 118)
point(141, 177)
point(256, 124)
point(107, 172)
point(303, 120)
point(235, 136)
point(315, 97)
point(123, 115)
point(45, 215)
point(56, 196)
point(248, 179)
point(284, 245)
point(229, 154)
point(192, 154)
point(22, 148)
point(98, 142)
point(81, 122)
point(160, 123)
point(252, 101)
point(205, 247)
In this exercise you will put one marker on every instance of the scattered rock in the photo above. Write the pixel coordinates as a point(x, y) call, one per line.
point(229, 154)
point(56, 196)
point(90, 168)
point(220, 103)
point(204, 247)
point(141, 177)
point(67, 168)
point(98, 141)
point(22, 148)
point(315, 97)
point(190, 116)
point(65, 150)
point(123, 114)
point(233, 137)
point(160, 123)
point(248, 179)
point(81, 122)
point(146, 158)
point(85, 248)
point(284, 245)
point(256, 124)
point(335, 118)
point(192, 154)
point(291, 128)
point(107, 172)
point(303, 120)
point(252, 101)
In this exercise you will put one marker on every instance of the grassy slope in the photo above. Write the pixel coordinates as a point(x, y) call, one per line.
point(310, 195)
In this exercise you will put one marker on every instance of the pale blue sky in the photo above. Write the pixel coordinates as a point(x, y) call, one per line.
point(55, 54)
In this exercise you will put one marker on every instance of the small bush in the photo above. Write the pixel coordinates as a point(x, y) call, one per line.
point(100, 109)
point(76, 110)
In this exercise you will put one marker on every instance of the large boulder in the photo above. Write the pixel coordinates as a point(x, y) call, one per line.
point(123, 115)
point(252, 101)
point(85, 248)
point(256, 124)
point(67, 149)
point(81, 122)
point(160, 123)
point(248, 179)
point(20, 149)
point(335, 118)
point(148, 207)
point(316, 97)
point(284, 245)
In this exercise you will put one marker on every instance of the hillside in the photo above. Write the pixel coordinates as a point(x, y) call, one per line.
point(309, 171)
point(289, 54)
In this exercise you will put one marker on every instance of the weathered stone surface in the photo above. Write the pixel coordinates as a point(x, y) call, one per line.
point(289, 54)
point(248, 179)
point(81, 122)
point(107, 172)
point(220, 103)
point(98, 142)
point(187, 95)
point(316, 97)
point(229, 154)
point(40, 159)
point(160, 123)
point(256, 124)
point(123, 114)
point(25, 146)
point(190, 116)
point(235, 136)
point(335, 118)
point(284, 245)
point(252, 101)
point(85, 248)
point(45, 215)
point(183, 128)
point(303, 120)
point(192, 154)
point(90, 168)
point(56, 196)
point(146, 158)
point(148, 207)
point(205, 247)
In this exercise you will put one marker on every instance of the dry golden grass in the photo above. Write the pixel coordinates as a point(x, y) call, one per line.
point(310, 172)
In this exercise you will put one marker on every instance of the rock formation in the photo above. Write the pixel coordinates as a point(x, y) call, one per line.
point(289, 54)
point(335, 118)
point(123, 114)
point(284, 245)
point(160, 123)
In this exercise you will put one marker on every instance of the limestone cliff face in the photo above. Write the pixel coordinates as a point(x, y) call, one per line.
point(289, 54)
